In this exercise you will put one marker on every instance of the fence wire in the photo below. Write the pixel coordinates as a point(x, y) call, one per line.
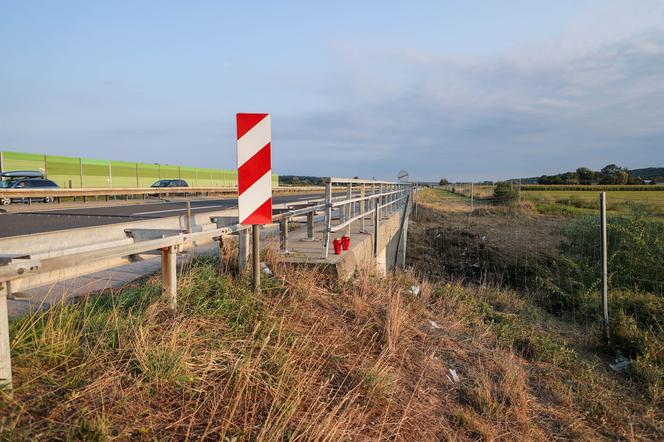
point(546, 246)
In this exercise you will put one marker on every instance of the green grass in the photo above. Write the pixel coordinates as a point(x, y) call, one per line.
point(593, 188)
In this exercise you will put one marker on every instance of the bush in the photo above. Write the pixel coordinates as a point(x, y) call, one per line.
point(505, 193)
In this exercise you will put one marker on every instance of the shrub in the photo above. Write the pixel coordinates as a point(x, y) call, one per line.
point(505, 193)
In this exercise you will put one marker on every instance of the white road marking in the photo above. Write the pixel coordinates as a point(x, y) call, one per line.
point(181, 209)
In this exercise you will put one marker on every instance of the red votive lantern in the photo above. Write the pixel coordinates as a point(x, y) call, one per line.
point(337, 246)
point(345, 241)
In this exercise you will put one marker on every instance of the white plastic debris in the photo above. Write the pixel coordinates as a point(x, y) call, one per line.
point(266, 270)
point(620, 363)
point(455, 376)
point(415, 289)
point(434, 325)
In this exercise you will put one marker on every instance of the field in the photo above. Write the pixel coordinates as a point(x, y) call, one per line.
point(651, 202)
point(575, 200)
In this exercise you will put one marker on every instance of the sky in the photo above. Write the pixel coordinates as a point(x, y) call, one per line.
point(464, 90)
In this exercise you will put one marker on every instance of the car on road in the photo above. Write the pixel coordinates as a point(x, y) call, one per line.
point(170, 183)
point(25, 180)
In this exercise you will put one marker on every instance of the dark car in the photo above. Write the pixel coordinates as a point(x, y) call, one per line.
point(26, 183)
point(170, 183)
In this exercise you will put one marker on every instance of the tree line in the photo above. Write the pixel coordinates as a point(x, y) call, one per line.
point(610, 174)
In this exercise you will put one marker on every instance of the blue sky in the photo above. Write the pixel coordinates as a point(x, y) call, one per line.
point(456, 89)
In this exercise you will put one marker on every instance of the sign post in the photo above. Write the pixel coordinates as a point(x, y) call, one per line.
point(254, 178)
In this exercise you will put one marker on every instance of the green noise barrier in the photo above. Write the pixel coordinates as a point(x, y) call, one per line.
point(74, 172)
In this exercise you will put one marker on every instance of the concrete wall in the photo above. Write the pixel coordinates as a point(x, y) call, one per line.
point(361, 255)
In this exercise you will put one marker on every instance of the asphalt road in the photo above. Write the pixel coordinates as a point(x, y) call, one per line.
point(25, 223)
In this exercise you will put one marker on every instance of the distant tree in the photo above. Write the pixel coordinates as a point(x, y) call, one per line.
point(443, 182)
point(585, 175)
point(551, 179)
point(635, 180)
point(612, 174)
point(569, 177)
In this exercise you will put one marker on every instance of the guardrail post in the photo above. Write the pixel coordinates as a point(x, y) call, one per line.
point(243, 250)
point(188, 216)
point(283, 235)
point(222, 258)
point(5, 349)
point(328, 219)
point(169, 275)
point(310, 226)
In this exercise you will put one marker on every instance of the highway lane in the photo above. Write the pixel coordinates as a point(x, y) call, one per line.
point(25, 223)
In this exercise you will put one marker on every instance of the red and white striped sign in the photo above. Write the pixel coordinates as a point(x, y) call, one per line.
point(254, 168)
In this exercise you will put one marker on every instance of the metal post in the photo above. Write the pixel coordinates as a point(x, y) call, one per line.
point(362, 207)
point(400, 259)
point(472, 200)
point(5, 349)
point(310, 226)
point(376, 225)
point(256, 258)
point(283, 235)
point(80, 170)
point(349, 206)
point(243, 250)
point(328, 219)
point(373, 192)
point(169, 275)
point(222, 258)
point(416, 203)
point(380, 199)
point(188, 216)
point(605, 270)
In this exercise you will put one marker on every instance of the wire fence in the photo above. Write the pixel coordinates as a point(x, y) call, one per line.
point(546, 245)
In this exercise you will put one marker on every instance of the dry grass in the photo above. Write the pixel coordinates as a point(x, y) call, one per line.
point(308, 359)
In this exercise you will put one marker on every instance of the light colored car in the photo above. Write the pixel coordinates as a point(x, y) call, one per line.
point(25, 180)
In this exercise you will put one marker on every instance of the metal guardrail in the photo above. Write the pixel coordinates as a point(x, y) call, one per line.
point(85, 193)
point(362, 198)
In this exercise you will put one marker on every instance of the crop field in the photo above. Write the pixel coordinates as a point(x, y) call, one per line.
point(573, 200)
point(570, 201)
